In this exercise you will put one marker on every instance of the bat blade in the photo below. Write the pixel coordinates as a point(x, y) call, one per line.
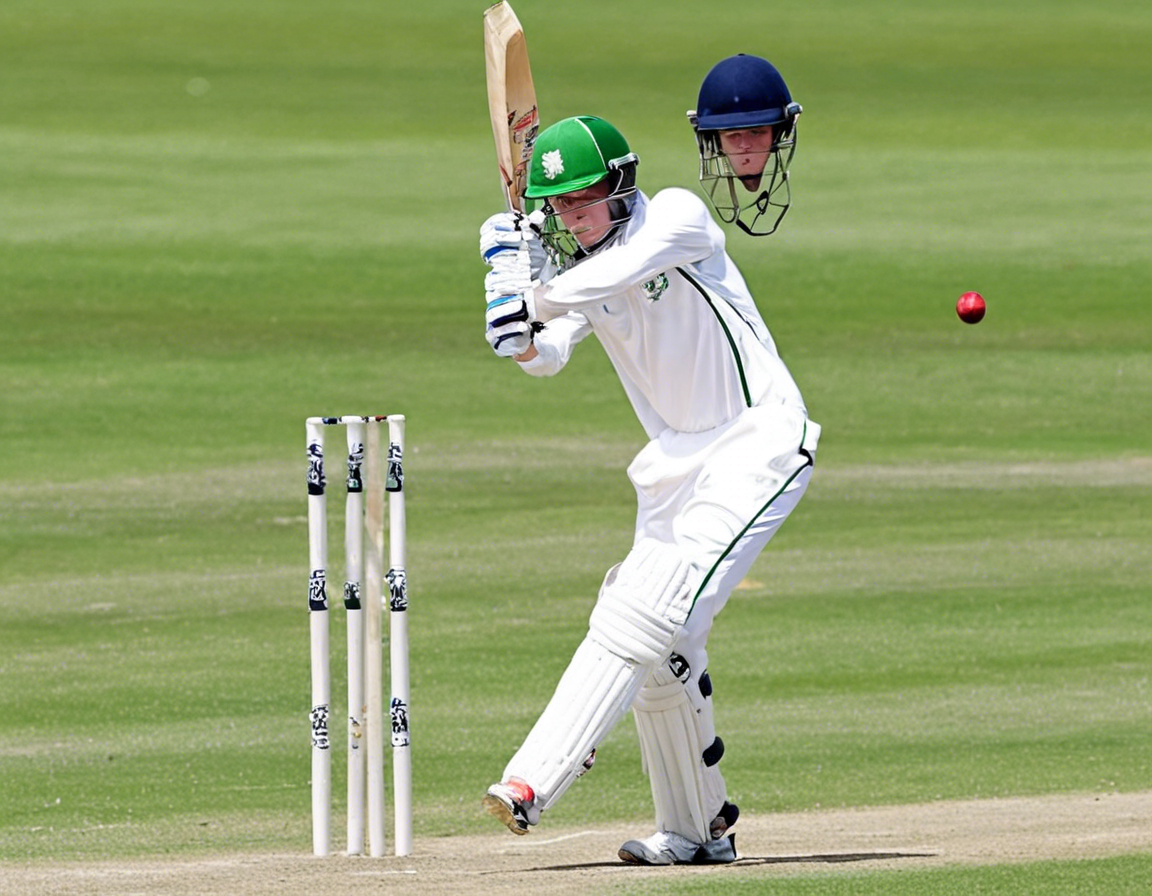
point(511, 100)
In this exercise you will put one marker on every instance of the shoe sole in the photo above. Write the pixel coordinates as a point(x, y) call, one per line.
point(500, 811)
point(634, 859)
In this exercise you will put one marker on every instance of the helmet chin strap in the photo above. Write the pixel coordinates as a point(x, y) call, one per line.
point(620, 212)
point(583, 252)
point(762, 207)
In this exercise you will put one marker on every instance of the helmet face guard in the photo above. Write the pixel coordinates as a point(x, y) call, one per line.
point(755, 203)
point(573, 155)
point(564, 247)
point(743, 93)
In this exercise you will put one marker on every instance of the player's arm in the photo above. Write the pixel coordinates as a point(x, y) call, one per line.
point(552, 347)
point(677, 230)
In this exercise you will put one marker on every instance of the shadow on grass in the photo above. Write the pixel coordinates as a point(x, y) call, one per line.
point(745, 861)
point(832, 858)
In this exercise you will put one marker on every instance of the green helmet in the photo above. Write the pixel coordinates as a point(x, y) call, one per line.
point(576, 153)
point(572, 155)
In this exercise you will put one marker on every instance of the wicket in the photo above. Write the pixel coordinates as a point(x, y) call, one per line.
point(363, 514)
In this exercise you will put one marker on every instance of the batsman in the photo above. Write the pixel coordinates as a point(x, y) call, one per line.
point(729, 454)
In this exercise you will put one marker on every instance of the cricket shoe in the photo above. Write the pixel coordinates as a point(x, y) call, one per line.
point(667, 848)
point(514, 803)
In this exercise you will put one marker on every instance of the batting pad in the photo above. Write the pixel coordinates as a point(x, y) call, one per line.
point(593, 694)
point(644, 603)
point(675, 739)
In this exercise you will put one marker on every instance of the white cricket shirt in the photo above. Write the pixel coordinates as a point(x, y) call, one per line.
point(674, 316)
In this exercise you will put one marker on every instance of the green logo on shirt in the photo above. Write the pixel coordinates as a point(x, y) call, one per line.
point(654, 289)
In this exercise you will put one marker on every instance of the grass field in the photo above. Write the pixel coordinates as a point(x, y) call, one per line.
point(217, 219)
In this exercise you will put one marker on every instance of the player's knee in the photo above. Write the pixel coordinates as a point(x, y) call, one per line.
point(644, 603)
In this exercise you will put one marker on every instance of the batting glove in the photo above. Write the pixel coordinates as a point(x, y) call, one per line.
point(506, 280)
point(507, 233)
point(499, 233)
point(509, 323)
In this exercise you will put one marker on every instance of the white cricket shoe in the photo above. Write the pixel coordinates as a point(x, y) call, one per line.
point(667, 848)
point(513, 802)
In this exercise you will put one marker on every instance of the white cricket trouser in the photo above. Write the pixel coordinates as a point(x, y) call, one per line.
point(721, 495)
point(718, 497)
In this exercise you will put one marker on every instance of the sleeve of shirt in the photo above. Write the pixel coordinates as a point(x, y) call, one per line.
point(677, 230)
point(554, 344)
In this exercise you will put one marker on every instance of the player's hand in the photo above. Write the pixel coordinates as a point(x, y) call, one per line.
point(511, 273)
point(508, 278)
point(508, 323)
point(507, 234)
point(499, 234)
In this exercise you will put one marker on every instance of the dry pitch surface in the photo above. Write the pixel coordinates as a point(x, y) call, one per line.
point(583, 861)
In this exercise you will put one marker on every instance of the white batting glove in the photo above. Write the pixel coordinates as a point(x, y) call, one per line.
point(498, 234)
point(531, 227)
point(509, 323)
point(508, 233)
point(506, 281)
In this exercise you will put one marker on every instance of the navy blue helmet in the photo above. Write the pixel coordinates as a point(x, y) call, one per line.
point(747, 185)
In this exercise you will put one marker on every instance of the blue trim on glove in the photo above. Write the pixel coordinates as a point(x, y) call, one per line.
point(503, 300)
point(497, 249)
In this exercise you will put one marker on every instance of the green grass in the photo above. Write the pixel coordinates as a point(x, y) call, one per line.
point(219, 219)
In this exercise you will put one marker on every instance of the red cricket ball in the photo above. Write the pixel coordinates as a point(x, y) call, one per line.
point(970, 307)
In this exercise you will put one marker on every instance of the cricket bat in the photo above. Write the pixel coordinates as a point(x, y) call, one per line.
point(511, 101)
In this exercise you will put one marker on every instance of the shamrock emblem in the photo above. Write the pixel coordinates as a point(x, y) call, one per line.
point(553, 164)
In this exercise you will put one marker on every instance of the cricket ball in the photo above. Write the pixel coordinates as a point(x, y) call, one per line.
point(970, 307)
